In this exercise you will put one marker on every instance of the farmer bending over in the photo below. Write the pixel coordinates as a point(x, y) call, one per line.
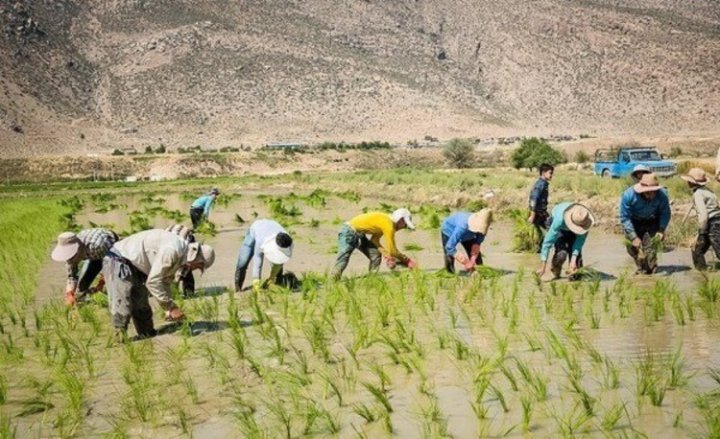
point(200, 208)
point(89, 245)
point(145, 263)
point(353, 235)
point(567, 234)
point(265, 239)
point(468, 229)
point(708, 212)
point(644, 216)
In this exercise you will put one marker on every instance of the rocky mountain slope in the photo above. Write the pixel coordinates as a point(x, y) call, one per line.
point(90, 76)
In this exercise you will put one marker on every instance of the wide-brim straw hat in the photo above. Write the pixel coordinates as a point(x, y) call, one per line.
point(648, 183)
point(479, 222)
point(578, 219)
point(67, 246)
point(274, 253)
point(696, 176)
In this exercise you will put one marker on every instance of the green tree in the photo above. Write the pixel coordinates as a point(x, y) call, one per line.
point(533, 152)
point(460, 153)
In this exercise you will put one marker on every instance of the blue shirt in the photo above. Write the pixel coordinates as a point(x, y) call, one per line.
point(539, 196)
point(555, 231)
point(205, 203)
point(633, 207)
point(455, 227)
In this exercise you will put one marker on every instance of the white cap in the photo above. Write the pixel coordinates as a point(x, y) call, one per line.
point(274, 253)
point(403, 214)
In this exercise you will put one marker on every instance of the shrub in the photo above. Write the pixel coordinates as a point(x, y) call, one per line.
point(459, 153)
point(533, 152)
point(117, 152)
point(582, 157)
point(675, 151)
point(148, 150)
point(160, 149)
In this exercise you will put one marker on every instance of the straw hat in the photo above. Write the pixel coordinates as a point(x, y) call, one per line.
point(648, 183)
point(696, 176)
point(274, 253)
point(479, 222)
point(578, 219)
point(201, 251)
point(67, 246)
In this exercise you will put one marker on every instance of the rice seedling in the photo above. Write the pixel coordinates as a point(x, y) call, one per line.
point(380, 396)
point(3, 389)
point(611, 374)
point(525, 235)
point(527, 410)
point(500, 397)
point(612, 416)
point(676, 365)
point(365, 412)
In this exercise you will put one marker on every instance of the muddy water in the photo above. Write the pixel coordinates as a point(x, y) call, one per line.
point(624, 339)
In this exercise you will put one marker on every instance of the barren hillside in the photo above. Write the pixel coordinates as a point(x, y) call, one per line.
point(89, 76)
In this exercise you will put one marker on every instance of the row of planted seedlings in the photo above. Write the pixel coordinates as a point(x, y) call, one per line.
point(372, 354)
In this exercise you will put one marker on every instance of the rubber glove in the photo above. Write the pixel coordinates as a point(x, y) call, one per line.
point(390, 262)
point(411, 264)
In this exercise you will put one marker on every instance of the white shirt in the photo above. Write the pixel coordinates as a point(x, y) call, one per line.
point(157, 253)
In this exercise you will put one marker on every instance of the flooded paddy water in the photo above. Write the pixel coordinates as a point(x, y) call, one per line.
point(402, 354)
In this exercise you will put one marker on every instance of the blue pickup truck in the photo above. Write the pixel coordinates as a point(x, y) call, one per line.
point(619, 162)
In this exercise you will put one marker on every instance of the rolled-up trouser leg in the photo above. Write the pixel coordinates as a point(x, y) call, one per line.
point(118, 280)
point(347, 243)
point(371, 251)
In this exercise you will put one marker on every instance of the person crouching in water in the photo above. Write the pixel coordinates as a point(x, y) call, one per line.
point(644, 215)
point(708, 213)
point(567, 234)
point(469, 230)
point(265, 239)
point(200, 208)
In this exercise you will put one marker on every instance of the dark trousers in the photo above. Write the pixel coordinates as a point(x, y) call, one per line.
point(196, 216)
point(348, 241)
point(88, 274)
point(450, 260)
point(128, 296)
point(542, 218)
point(704, 241)
point(645, 257)
point(187, 282)
point(563, 252)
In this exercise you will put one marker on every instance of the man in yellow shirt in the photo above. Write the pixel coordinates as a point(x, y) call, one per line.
point(354, 235)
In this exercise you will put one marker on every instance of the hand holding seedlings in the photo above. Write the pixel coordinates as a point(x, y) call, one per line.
point(174, 314)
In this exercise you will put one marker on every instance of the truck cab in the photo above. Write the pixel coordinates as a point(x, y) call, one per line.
point(619, 162)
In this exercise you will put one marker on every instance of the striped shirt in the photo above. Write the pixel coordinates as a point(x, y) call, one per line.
point(96, 243)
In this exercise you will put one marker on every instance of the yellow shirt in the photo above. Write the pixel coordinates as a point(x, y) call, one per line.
point(377, 225)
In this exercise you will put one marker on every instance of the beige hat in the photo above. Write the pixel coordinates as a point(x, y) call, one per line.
point(203, 251)
point(404, 214)
point(67, 246)
point(479, 222)
point(696, 176)
point(647, 183)
point(578, 219)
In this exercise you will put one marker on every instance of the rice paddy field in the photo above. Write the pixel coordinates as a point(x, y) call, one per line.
point(399, 353)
